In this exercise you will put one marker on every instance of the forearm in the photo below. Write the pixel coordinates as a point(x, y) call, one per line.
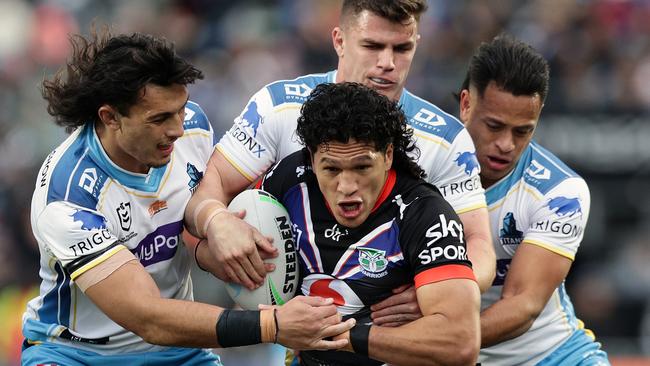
point(481, 254)
point(479, 246)
point(506, 319)
point(431, 340)
point(191, 325)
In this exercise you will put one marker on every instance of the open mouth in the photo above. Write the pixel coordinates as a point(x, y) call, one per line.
point(498, 163)
point(350, 209)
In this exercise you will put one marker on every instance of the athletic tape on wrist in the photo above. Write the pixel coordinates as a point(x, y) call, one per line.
point(197, 211)
point(238, 328)
point(209, 218)
point(359, 336)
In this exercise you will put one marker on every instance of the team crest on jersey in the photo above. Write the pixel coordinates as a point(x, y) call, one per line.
point(468, 161)
point(509, 235)
point(124, 213)
point(564, 206)
point(195, 176)
point(251, 117)
point(373, 262)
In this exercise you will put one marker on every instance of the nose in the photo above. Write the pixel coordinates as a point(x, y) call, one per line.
point(505, 142)
point(176, 129)
point(347, 184)
point(386, 59)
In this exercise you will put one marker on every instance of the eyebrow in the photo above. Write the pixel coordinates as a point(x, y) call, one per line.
point(161, 114)
point(355, 160)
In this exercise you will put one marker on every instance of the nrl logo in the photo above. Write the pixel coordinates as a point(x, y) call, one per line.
point(373, 262)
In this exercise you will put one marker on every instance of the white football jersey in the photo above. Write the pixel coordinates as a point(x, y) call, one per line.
point(85, 209)
point(542, 202)
point(264, 133)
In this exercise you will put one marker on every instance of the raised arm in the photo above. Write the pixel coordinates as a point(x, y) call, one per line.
point(130, 297)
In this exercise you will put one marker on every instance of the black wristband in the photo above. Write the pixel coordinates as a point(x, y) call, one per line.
point(238, 328)
point(359, 335)
point(196, 258)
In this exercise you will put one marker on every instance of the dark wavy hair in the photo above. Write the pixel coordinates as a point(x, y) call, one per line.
point(106, 69)
point(397, 11)
point(344, 111)
point(513, 65)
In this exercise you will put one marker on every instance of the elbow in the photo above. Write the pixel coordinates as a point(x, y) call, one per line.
point(153, 335)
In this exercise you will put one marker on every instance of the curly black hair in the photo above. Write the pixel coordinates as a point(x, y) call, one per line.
point(106, 69)
point(344, 111)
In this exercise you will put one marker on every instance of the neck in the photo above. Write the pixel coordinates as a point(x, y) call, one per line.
point(109, 143)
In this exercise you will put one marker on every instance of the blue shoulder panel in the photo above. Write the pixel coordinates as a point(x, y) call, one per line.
point(428, 118)
point(76, 178)
point(195, 117)
point(538, 168)
point(297, 90)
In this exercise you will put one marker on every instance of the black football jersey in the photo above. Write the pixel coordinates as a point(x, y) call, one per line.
point(411, 236)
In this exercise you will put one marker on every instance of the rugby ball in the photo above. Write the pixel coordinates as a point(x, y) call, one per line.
point(270, 218)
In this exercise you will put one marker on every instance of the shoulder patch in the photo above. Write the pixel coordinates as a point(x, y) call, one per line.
point(195, 117)
point(543, 170)
point(76, 178)
point(296, 90)
point(428, 118)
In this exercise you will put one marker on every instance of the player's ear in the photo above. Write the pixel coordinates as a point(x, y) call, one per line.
point(389, 156)
point(465, 102)
point(108, 115)
point(337, 40)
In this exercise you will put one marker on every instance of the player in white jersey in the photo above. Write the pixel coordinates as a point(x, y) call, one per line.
point(538, 212)
point(107, 212)
point(375, 43)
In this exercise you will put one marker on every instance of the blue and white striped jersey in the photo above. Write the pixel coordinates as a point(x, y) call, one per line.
point(541, 202)
point(85, 208)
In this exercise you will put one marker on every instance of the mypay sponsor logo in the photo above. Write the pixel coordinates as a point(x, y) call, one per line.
point(246, 140)
point(159, 245)
point(445, 228)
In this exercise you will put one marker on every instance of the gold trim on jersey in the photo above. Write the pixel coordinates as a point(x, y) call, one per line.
point(440, 141)
point(234, 165)
point(472, 208)
point(551, 248)
point(109, 253)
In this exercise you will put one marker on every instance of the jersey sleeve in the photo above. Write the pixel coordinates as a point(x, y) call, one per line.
point(432, 239)
point(251, 144)
point(78, 237)
point(454, 169)
point(559, 220)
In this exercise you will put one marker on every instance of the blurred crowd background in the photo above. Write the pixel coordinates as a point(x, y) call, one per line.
point(596, 116)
